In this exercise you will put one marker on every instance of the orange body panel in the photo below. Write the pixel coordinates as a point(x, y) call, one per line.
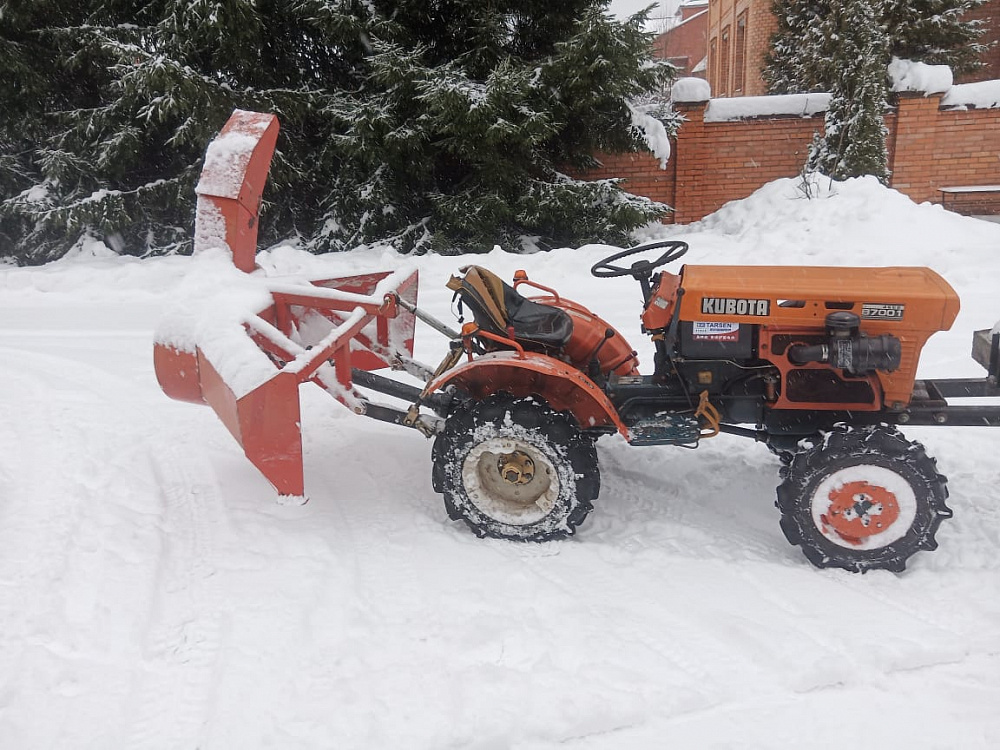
point(615, 355)
point(561, 385)
point(909, 303)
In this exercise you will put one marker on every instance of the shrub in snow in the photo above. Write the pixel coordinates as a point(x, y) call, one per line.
point(461, 136)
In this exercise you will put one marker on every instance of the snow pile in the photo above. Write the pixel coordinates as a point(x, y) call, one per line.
point(907, 75)
point(853, 222)
point(982, 95)
point(690, 90)
point(152, 593)
point(747, 107)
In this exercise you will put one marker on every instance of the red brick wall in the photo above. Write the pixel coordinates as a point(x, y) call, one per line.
point(763, 26)
point(934, 148)
point(716, 162)
point(719, 161)
point(641, 173)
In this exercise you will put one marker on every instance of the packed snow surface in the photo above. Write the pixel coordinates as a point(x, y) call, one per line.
point(154, 594)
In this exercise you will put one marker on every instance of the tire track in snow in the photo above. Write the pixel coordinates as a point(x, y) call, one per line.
point(367, 524)
point(688, 648)
point(699, 518)
point(172, 691)
point(59, 448)
point(38, 512)
point(75, 517)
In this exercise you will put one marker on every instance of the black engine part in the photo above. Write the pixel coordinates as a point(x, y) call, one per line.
point(850, 350)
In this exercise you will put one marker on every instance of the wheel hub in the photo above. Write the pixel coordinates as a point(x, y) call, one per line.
point(510, 480)
point(859, 510)
point(516, 467)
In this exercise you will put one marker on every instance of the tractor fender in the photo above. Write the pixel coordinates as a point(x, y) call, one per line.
point(563, 387)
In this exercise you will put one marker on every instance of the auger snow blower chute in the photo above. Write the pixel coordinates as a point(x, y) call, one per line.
point(819, 364)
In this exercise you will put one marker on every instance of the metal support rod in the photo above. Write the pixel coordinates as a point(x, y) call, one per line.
point(439, 402)
point(428, 426)
point(427, 318)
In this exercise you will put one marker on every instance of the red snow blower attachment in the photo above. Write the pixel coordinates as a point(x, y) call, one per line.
point(270, 336)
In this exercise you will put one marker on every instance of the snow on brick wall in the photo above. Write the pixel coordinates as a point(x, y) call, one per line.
point(728, 153)
point(982, 95)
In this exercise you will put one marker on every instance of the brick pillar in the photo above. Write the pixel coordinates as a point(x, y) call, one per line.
point(688, 161)
point(913, 155)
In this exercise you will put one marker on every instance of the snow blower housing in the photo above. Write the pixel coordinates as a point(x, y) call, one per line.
point(819, 364)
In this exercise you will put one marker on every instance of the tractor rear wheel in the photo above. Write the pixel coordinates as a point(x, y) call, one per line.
point(512, 468)
point(862, 499)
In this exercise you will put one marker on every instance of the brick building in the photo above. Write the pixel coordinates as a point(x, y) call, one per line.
point(739, 35)
point(684, 45)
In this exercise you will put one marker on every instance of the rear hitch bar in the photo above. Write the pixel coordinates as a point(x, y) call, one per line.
point(438, 402)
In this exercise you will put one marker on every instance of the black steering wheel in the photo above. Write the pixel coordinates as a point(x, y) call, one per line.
point(604, 269)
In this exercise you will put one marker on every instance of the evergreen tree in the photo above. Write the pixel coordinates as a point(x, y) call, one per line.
point(854, 142)
point(436, 124)
point(32, 85)
point(122, 161)
point(800, 58)
point(935, 32)
point(471, 110)
point(803, 58)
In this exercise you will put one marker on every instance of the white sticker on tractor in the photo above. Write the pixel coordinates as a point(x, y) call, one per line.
point(702, 330)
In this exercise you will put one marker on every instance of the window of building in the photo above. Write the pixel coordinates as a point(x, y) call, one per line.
point(724, 64)
point(713, 66)
point(740, 55)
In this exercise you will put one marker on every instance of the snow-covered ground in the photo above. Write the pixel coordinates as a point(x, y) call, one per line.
point(154, 595)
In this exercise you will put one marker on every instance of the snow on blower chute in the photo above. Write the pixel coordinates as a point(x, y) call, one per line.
point(819, 364)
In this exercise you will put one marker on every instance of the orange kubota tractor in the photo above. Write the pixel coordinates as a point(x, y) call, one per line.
point(819, 364)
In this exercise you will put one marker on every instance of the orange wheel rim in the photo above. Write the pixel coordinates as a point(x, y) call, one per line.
point(859, 510)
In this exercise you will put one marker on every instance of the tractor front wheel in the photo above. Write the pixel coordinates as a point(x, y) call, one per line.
point(862, 499)
point(515, 469)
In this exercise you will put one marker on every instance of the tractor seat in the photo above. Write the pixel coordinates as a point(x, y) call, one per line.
point(497, 306)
